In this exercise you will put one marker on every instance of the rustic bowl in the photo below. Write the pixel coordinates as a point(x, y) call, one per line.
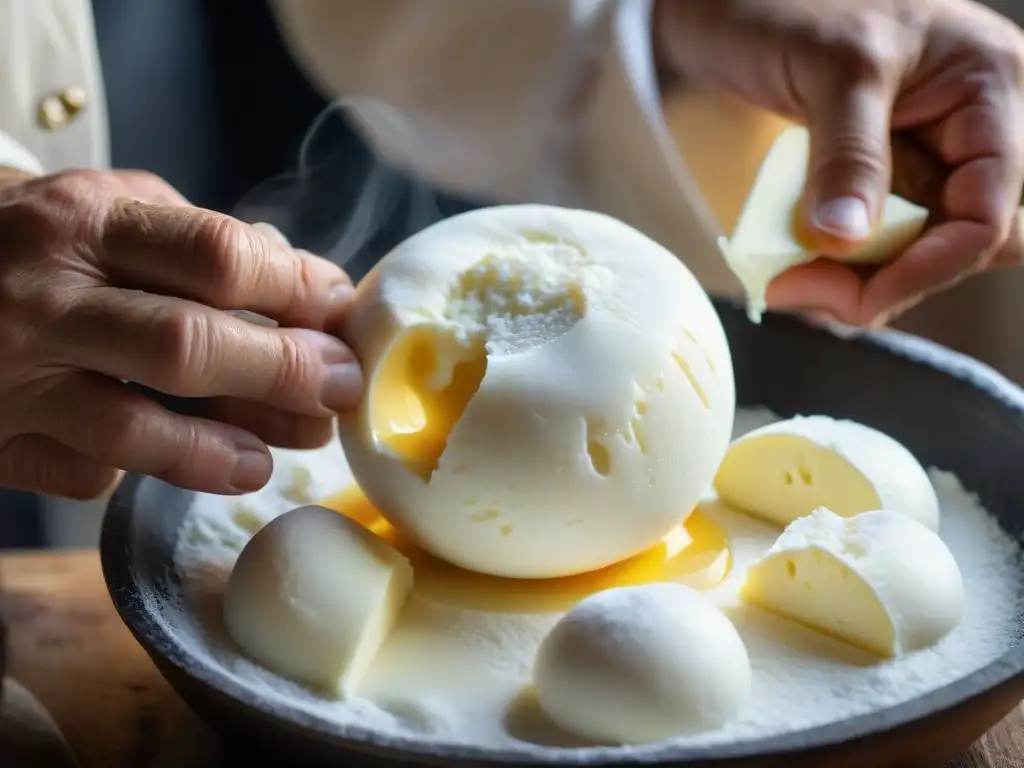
point(952, 412)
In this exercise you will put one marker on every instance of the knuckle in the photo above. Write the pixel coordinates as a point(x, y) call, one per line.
point(298, 367)
point(126, 430)
point(1008, 63)
point(852, 157)
point(182, 353)
point(858, 50)
point(62, 207)
point(30, 307)
point(27, 224)
point(221, 244)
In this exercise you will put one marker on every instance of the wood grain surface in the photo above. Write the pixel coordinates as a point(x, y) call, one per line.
point(69, 647)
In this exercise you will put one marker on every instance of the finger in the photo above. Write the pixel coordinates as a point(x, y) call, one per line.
point(918, 173)
point(39, 464)
point(106, 421)
point(221, 262)
point(186, 349)
point(272, 425)
point(149, 188)
point(821, 286)
point(983, 146)
point(945, 254)
point(849, 168)
point(272, 232)
point(1011, 254)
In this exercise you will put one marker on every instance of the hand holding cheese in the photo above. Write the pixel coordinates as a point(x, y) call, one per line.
point(640, 664)
point(549, 391)
point(879, 580)
point(313, 596)
point(788, 469)
point(768, 240)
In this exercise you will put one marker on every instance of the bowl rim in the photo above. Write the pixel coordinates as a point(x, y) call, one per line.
point(161, 643)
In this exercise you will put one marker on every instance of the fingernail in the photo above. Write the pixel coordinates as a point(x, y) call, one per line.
point(846, 217)
point(253, 464)
point(343, 382)
point(342, 387)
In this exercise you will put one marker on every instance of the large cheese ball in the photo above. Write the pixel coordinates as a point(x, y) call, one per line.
point(548, 391)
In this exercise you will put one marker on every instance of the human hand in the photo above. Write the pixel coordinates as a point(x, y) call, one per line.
point(111, 277)
point(923, 97)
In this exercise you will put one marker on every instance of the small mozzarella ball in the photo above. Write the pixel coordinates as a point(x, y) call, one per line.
point(640, 664)
point(879, 580)
point(788, 469)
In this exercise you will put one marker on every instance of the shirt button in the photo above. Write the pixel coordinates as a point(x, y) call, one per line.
point(52, 114)
point(56, 110)
point(74, 100)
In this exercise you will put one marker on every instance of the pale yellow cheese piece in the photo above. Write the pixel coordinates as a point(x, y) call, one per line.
point(313, 596)
point(880, 581)
point(766, 241)
point(788, 469)
point(723, 141)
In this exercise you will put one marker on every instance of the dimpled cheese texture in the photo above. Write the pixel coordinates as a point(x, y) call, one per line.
point(636, 665)
point(313, 596)
point(880, 580)
point(548, 391)
point(766, 241)
point(790, 468)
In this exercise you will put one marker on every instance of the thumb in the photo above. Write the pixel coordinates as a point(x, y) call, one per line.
point(849, 168)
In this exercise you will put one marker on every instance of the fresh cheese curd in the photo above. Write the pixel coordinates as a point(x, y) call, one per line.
point(462, 664)
point(767, 239)
point(549, 391)
point(641, 664)
point(786, 470)
point(314, 595)
point(878, 580)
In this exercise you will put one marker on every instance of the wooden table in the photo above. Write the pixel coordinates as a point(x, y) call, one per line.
point(70, 648)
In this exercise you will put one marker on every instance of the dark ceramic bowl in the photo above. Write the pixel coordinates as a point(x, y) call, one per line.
point(950, 411)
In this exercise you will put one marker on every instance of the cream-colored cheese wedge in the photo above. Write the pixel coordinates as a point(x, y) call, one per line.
point(880, 580)
point(637, 665)
point(766, 241)
point(723, 140)
point(548, 391)
point(313, 596)
point(788, 469)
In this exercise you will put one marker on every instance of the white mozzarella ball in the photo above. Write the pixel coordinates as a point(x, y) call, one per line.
point(549, 391)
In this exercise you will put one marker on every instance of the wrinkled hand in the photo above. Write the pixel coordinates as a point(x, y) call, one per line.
point(112, 277)
point(924, 97)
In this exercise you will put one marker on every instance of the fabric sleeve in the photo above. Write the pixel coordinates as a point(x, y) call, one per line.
point(14, 155)
point(512, 101)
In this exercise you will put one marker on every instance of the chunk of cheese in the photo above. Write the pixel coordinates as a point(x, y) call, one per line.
point(313, 596)
point(767, 240)
point(641, 664)
point(880, 580)
point(548, 391)
point(723, 140)
point(788, 469)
